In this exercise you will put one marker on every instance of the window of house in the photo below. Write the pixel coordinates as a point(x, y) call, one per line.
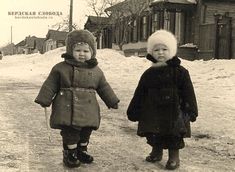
point(114, 34)
point(155, 21)
point(172, 21)
point(121, 31)
point(203, 14)
point(134, 31)
point(117, 30)
point(144, 28)
point(180, 27)
point(125, 31)
point(166, 20)
point(128, 32)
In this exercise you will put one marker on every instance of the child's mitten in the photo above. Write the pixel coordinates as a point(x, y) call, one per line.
point(115, 106)
point(193, 118)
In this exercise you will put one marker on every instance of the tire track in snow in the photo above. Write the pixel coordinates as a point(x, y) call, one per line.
point(14, 144)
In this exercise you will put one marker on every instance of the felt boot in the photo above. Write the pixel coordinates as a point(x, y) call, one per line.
point(155, 155)
point(70, 158)
point(173, 161)
point(83, 155)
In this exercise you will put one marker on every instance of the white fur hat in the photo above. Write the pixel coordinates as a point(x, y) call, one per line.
point(162, 37)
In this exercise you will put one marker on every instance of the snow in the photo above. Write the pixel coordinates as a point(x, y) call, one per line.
point(213, 133)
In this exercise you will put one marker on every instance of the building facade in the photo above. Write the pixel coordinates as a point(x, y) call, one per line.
point(204, 28)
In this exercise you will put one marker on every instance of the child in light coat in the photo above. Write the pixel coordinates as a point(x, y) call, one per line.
point(71, 89)
point(164, 101)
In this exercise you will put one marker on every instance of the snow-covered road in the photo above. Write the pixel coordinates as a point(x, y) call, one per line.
point(115, 146)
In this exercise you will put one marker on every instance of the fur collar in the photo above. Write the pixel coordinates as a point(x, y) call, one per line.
point(87, 64)
point(175, 61)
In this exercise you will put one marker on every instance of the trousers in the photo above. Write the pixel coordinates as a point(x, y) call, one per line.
point(72, 135)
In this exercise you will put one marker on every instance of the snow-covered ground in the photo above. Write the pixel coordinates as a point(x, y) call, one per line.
point(115, 145)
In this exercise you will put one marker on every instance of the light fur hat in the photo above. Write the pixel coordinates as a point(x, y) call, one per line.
point(80, 36)
point(162, 37)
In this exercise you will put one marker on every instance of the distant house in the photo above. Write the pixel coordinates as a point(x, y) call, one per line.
point(29, 45)
point(8, 49)
point(101, 28)
point(39, 44)
point(20, 47)
point(54, 39)
point(205, 29)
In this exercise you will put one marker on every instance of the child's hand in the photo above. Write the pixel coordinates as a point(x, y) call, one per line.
point(192, 118)
point(42, 105)
point(115, 106)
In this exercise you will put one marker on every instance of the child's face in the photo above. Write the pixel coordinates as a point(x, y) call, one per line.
point(82, 52)
point(161, 53)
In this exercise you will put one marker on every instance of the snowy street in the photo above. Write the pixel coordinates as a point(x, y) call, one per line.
point(115, 145)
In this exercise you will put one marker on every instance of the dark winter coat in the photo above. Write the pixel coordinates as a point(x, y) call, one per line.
point(164, 101)
point(71, 88)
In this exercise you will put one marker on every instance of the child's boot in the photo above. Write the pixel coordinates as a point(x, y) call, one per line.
point(173, 161)
point(83, 155)
point(70, 158)
point(155, 155)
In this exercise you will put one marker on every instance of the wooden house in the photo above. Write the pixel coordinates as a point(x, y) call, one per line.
point(9, 49)
point(20, 47)
point(31, 44)
point(205, 29)
point(54, 39)
point(100, 27)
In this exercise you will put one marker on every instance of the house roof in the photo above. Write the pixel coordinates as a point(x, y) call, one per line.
point(56, 35)
point(174, 5)
point(176, 1)
point(31, 42)
point(98, 20)
point(118, 5)
point(21, 43)
point(123, 3)
point(225, 1)
point(95, 23)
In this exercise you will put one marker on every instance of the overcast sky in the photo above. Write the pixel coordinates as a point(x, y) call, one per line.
point(40, 19)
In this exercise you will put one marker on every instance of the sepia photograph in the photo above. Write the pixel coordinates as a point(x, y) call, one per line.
point(117, 85)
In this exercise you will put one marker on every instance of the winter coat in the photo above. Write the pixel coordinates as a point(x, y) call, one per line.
point(71, 89)
point(164, 101)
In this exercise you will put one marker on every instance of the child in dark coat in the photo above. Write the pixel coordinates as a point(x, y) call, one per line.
point(71, 89)
point(164, 101)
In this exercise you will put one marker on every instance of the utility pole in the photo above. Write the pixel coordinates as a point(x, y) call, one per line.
point(71, 16)
point(11, 34)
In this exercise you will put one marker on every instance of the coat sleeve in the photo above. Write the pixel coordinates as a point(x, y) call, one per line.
point(49, 88)
point(189, 98)
point(134, 108)
point(106, 93)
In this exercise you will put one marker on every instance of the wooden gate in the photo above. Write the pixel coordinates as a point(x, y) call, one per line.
point(223, 37)
point(215, 39)
point(207, 41)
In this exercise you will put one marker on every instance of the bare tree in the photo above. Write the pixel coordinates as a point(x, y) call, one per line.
point(120, 12)
point(123, 14)
point(98, 9)
point(64, 25)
